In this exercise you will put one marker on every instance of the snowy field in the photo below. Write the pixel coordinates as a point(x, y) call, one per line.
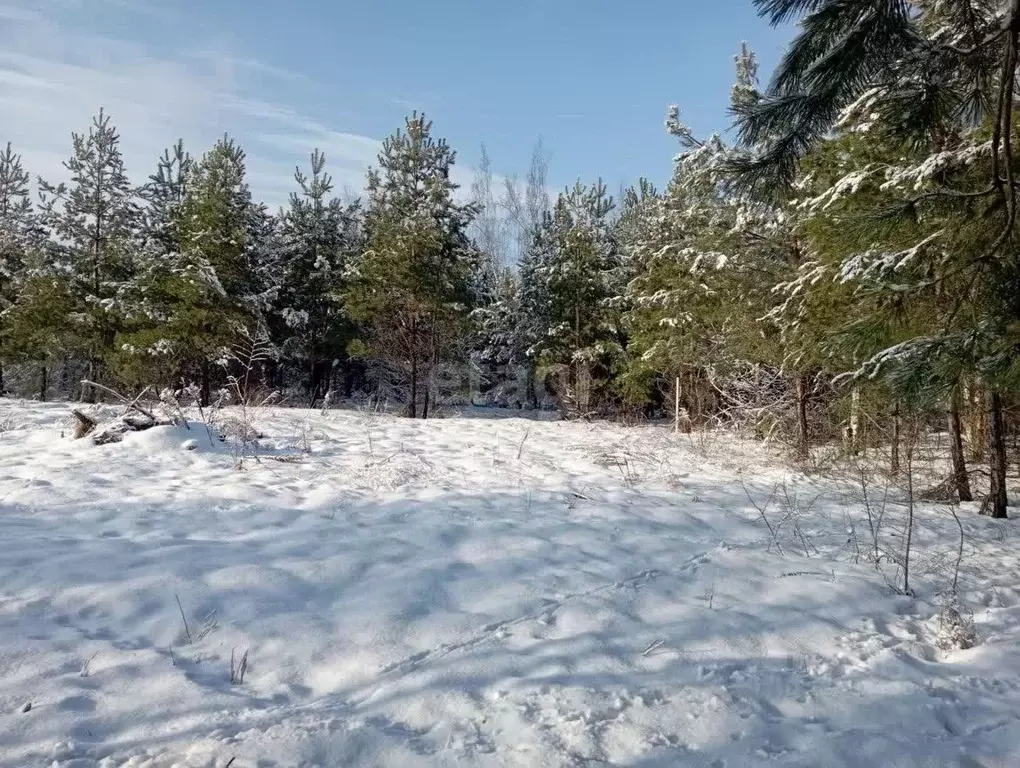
point(477, 592)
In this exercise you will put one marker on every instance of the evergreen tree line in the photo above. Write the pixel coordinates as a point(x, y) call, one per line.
point(163, 286)
point(847, 268)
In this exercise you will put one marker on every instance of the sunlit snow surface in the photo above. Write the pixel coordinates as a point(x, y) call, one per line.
point(479, 592)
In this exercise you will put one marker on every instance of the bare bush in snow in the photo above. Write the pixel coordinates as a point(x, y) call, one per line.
point(955, 630)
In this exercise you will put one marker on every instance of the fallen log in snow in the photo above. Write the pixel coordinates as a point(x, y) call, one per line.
point(136, 419)
point(114, 432)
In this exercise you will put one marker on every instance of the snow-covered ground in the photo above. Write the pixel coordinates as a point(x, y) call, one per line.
point(477, 592)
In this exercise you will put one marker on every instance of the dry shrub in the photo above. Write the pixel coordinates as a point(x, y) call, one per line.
point(956, 631)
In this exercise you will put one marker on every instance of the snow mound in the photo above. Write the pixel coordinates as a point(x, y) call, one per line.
point(173, 439)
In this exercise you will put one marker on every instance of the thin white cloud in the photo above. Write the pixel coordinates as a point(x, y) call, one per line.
point(55, 74)
point(258, 67)
point(12, 78)
point(55, 77)
point(16, 13)
point(341, 148)
point(52, 81)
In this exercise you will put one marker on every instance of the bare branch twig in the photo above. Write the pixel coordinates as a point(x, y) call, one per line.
point(129, 403)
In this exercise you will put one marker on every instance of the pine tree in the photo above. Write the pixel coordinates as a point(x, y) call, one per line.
point(414, 285)
point(265, 257)
point(198, 285)
point(704, 258)
point(534, 317)
point(152, 348)
point(580, 278)
point(17, 230)
point(164, 195)
point(687, 299)
point(940, 80)
point(495, 348)
point(94, 220)
point(215, 221)
point(513, 325)
point(35, 299)
point(216, 215)
point(38, 328)
point(320, 235)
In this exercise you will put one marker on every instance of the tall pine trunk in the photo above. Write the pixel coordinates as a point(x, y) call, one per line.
point(430, 373)
point(412, 405)
point(206, 392)
point(530, 390)
point(692, 399)
point(579, 396)
point(961, 481)
point(854, 426)
point(894, 457)
point(319, 381)
point(352, 374)
point(976, 421)
point(327, 384)
point(43, 383)
point(313, 383)
point(998, 501)
point(802, 423)
point(66, 387)
point(88, 394)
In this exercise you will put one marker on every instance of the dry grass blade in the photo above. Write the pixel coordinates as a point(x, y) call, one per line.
point(86, 667)
point(187, 631)
point(237, 670)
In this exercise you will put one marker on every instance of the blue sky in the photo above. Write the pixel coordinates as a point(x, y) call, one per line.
point(592, 78)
